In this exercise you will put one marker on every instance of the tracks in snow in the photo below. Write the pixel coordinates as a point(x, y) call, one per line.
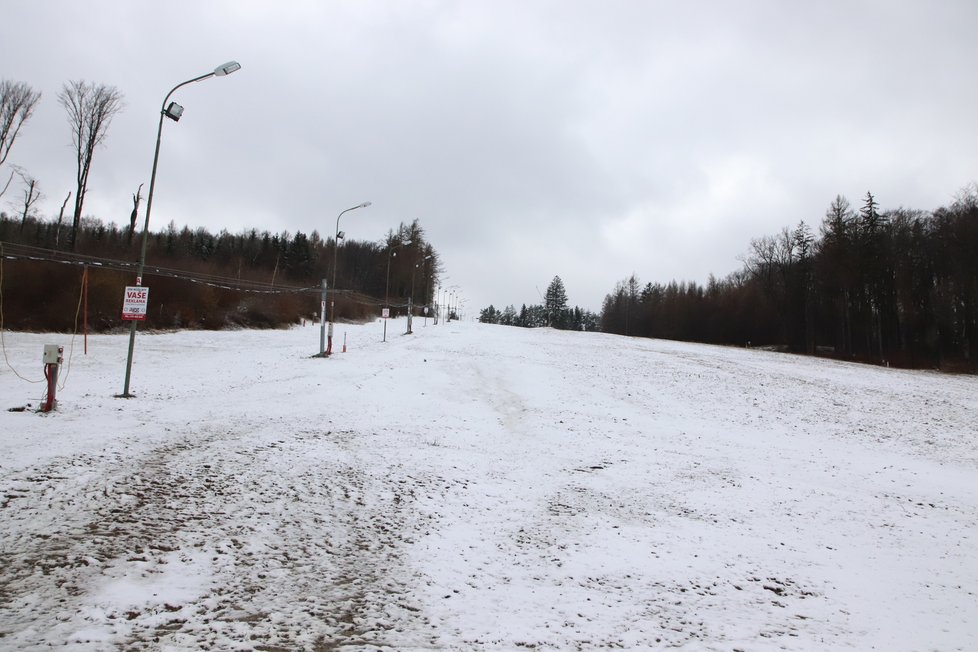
point(282, 540)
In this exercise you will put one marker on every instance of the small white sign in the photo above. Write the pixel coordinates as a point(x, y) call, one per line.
point(426, 310)
point(385, 312)
point(135, 301)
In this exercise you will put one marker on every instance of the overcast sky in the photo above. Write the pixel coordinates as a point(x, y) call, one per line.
point(530, 138)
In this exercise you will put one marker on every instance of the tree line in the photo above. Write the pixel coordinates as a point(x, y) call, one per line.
point(895, 287)
point(553, 312)
point(199, 279)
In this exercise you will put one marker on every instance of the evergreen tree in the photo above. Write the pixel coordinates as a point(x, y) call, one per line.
point(489, 315)
point(508, 316)
point(555, 303)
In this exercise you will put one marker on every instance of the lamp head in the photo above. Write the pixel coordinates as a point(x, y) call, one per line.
point(173, 112)
point(227, 68)
point(364, 204)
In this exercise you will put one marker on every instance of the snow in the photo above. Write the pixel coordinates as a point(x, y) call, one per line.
point(482, 487)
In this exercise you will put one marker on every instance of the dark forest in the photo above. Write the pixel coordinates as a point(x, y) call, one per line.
point(201, 280)
point(893, 288)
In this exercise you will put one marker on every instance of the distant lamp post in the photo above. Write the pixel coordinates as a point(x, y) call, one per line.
point(173, 111)
point(391, 251)
point(336, 252)
point(444, 294)
point(387, 289)
point(427, 288)
point(453, 296)
point(416, 266)
point(411, 300)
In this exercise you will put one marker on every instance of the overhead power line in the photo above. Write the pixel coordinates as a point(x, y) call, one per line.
point(12, 251)
point(26, 252)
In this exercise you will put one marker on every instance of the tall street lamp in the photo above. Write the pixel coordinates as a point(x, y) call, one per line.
point(416, 266)
point(453, 297)
point(391, 252)
point(173, 112)
point(427, 287)
point(443, 302)
point(336, 251)
point(387, 288)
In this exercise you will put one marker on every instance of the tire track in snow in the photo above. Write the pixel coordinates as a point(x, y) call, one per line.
point(215, 538)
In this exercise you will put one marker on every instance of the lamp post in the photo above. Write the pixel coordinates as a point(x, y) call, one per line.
point(453, 301)
point(427, 287)
point(173, 112)
point(446, 297)
point(387, 288)
point(336, 253)
point(411, 300)
point(416, 266)
point(438, 299)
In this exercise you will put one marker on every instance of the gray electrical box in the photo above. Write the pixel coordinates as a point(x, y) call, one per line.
point(53, 354)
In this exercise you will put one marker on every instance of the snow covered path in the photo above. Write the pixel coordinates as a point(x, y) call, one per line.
point(484, 487)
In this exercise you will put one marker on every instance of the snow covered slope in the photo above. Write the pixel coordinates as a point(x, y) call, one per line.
point(483, 487)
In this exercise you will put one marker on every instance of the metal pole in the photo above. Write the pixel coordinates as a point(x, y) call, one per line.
point(149, 208)
point(322, 321)
point(142, 254)
point(411, 299)
point(85, 309)
point(427, 286)
point(387, 288)
point(336, 253)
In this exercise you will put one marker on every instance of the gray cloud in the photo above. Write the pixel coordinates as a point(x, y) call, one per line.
point(530, 138)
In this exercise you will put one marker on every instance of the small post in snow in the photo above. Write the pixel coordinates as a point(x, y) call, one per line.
point(322, 322)
point(52, 358)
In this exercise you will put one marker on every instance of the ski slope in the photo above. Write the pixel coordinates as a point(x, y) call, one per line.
point(482, 487)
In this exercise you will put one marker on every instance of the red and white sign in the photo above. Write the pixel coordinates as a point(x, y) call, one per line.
point(134, 302)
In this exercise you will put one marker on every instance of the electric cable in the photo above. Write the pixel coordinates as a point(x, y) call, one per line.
point(3, 343)
point(74, 333)
point(13, 251)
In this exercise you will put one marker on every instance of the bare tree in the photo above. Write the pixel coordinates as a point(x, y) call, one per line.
point(61, 216)
point(90, 110)
point(10, 179)
point(17, 102)
point(136, 198)
point(967, 198)
point(32, 195)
